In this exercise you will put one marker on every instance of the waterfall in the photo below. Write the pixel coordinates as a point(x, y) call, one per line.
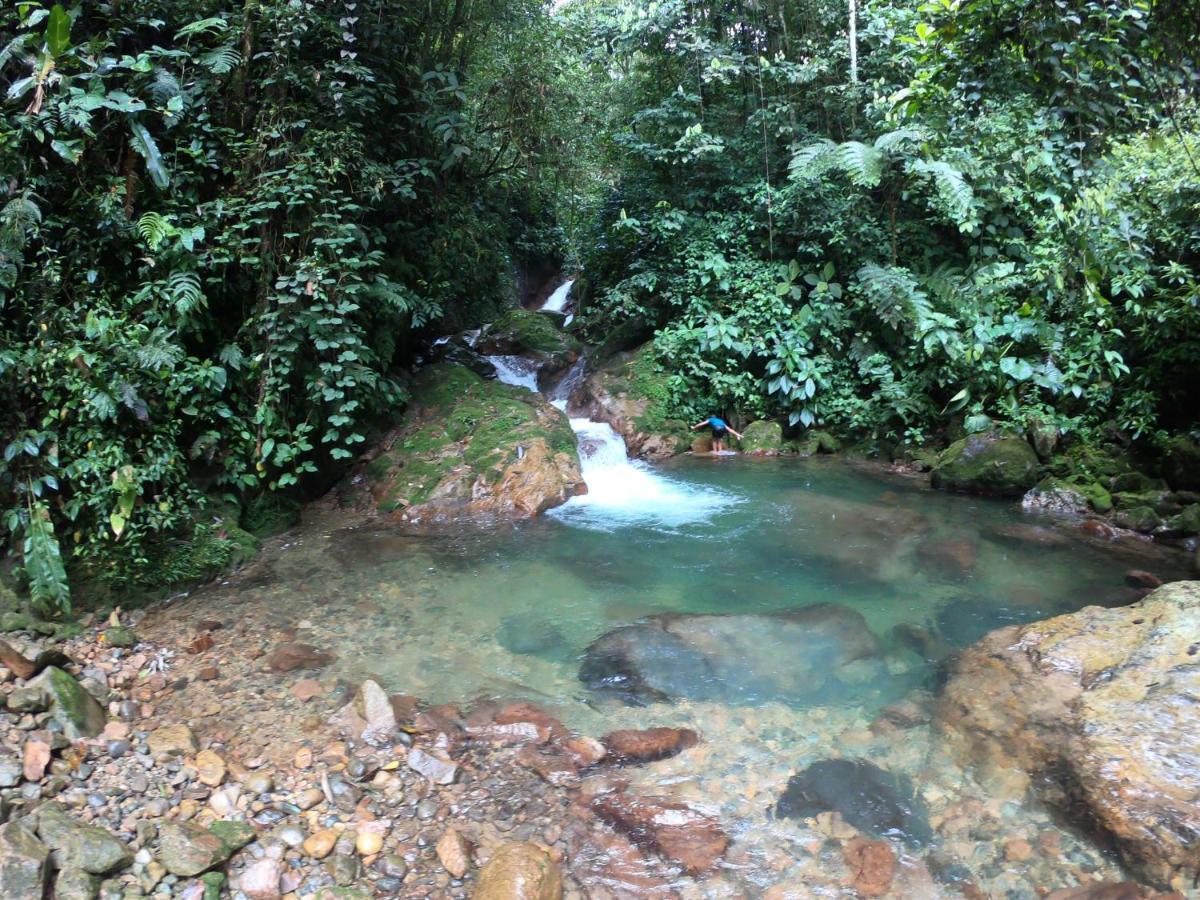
point(557, 301)
point(621, 491)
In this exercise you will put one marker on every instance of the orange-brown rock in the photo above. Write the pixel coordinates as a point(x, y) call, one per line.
point(1138, 578)
point(673, 830)
point(648, 744)
point(288, 656)
point(25, 668)
point(519, 871)
point(610, 863)
point(872, 865)
point(1111, 890)
point(1099, 707)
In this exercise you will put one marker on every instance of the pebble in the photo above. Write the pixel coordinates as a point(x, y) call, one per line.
point(259, 783)
point(321, 844)
point(117, 749)
point(309, 798)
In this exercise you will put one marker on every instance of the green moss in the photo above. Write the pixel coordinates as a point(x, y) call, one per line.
point(762, 437)
point(1097, 497)
point(826, 442)
point(1138, 518)
point(270, 514)
point(528, 330)
point(1186, 522)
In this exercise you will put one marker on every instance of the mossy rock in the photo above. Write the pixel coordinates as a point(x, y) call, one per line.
point(526, 331)
point(762, 438)
point(79, 714)
point(826, 442)
point(1137, 518)
point(1134, 482)
point(1084, 463)
point(120, 636)
point(467, 443)
point(631, 392)
point(987, 464)
point(1186, 522)
point(1181, 465)
point(270, 514)
point(1067, 497)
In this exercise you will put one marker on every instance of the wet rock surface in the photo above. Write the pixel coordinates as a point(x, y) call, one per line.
point(1097, 707)
point(791, 656)
point(987, 464)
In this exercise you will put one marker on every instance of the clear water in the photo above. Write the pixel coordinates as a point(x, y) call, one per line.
point(465, 614)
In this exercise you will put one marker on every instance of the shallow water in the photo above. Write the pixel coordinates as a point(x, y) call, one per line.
point(452, 617)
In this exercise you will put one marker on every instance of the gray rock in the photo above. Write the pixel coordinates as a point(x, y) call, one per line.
point(22, 863)
point(10, 769)
point(798, 656)
point(77, 845)
point(435, 768)
point(344, 869)
point(187, 849)
point(373, 705)
point(70, 705)
point(76, 884)
point(873, 800)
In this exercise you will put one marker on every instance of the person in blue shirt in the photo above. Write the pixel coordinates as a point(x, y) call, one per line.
point(719, 429)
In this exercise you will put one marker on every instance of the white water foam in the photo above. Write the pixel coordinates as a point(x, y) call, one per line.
point(557, 301)
point(516, 370)
point(624, 492)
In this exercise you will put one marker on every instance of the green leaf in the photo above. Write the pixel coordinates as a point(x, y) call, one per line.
point(58, 31)
point(148, 149)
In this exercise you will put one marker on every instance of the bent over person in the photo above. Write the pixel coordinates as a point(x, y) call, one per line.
point(719, 429)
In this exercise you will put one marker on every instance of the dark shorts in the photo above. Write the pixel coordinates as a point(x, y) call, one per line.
point(719, 434)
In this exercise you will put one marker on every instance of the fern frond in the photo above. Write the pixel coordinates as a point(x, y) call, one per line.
point(955, 197)
point(159, 351)
point(863, 164)
point(164, 86)
point(185, 292)
point(211, 25)
point(19, 217)
point(221, 60)
point(154, 229)
point(890, 140)
point(812, 160)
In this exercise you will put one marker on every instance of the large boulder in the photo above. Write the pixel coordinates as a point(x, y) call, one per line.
point(78, 845)
point(815, 653)
point(79, 714)
point(468, 445)
point(762, 439)
point(988, 464)
point(527, 331)
point(630, 393)
point(1099, 708)
point(23, 863)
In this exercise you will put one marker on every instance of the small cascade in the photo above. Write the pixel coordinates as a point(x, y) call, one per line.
point(557, 301)
point(516, 370)
point(567, 384)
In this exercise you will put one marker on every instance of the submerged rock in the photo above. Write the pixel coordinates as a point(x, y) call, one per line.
point(471, 446)
point(806, 654)
point(519, 871)
point(988, 464)
point(649, 744)
point(673, 830)
point(873, 800)
point(1099, 706)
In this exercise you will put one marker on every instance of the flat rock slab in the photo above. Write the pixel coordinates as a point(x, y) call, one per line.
point(816, 653)
point(675, 831)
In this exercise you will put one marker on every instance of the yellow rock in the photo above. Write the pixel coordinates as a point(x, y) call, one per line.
point(210, 767)
point(320, 845)
point(368, 842)
point(519, 871)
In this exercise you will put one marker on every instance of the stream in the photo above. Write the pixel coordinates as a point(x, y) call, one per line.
point(868, 555)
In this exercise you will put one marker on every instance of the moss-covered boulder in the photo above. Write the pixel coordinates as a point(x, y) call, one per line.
point(1185, 523)
point(471, 446)
point(70, 705)
point(526, 331)
point(630, 393)
point(762, 438)
point(988, 464)
point(1181, 466)
point(1137, 518)
point(1060, 496)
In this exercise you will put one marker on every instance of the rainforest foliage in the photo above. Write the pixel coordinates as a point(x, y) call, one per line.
point(228, 229)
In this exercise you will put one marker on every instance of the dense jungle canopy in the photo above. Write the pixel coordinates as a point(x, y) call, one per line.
point(229, 230)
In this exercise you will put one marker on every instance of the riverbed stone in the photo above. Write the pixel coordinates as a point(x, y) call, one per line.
point(519, 871)
point(799, 655)
point(876, 801)
point(287, 656)
point(872, 865)
point(1098, 706)
point(372, 704)
point(648, 744)
point(23, 863)
point(79, 845)
point(454, 853)
point(76, 884)
point(187, 849)
point(988, 464)
point(437, 769)
point(172, 740)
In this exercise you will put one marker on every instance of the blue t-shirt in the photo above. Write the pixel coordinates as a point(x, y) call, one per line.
point(717, 424)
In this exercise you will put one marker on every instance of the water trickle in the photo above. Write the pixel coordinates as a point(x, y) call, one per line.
point(516, 370)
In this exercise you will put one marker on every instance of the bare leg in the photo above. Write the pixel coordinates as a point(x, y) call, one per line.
point(718, 445)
